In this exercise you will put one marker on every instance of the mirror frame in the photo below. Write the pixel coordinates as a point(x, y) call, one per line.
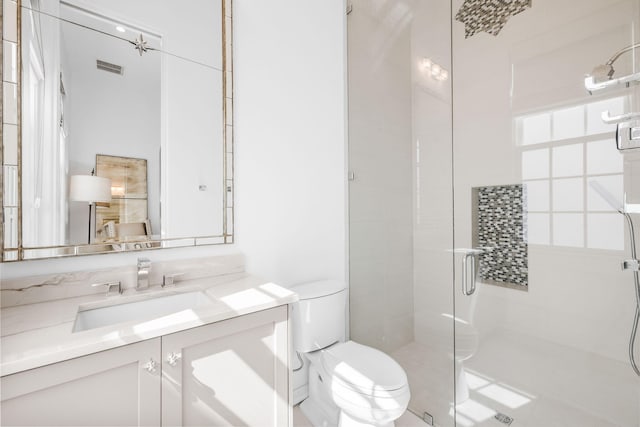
point(21, 253)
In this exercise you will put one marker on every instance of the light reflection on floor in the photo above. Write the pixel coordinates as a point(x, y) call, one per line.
point(536, 382)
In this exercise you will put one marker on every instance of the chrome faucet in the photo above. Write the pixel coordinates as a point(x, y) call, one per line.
point(144, 265)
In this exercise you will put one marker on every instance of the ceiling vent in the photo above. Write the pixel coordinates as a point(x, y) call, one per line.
point(107, 66)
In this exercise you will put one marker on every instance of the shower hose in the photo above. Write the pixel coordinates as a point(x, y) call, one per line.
point(636, 279)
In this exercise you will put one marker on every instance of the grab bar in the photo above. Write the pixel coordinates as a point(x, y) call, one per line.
point(592, 86)
point(612, 120)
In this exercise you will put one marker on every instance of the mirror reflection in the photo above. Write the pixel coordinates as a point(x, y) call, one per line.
point(125, 91)
point(125, 216)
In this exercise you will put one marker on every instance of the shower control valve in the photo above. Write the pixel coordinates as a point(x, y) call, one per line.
point(631, 264)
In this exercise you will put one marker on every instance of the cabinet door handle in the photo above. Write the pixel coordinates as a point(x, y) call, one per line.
point(172, 358)
point(151, 366)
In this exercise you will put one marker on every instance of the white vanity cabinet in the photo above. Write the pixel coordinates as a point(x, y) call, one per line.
point(232, 373)
point(113, 387)
point(229, 373)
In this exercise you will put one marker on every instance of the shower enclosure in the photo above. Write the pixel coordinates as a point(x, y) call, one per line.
point(494, 176)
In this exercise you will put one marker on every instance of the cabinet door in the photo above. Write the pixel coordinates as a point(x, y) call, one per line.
point(231, 373)
point(110, 388)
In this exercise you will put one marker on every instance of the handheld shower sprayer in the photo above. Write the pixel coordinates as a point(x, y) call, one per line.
point(607, 196)
point(631, 264)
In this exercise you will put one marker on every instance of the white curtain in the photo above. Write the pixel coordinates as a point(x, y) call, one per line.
point(43, 141)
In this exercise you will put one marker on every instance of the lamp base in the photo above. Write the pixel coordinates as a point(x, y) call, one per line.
point(89, 232)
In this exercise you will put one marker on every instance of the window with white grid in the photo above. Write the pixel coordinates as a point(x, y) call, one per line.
point(562, 151)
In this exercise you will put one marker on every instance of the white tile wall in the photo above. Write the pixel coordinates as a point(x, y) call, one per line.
point(577, 297)
point(380, 156)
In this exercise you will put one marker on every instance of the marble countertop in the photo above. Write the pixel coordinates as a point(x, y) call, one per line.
point(39, 334)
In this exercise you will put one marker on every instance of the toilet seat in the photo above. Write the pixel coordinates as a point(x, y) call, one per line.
point(365, 370)
point(367, 386)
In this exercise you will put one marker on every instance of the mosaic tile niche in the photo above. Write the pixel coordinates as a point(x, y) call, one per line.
point(499, 224)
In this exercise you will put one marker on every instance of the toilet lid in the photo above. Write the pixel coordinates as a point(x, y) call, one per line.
point(366, 368)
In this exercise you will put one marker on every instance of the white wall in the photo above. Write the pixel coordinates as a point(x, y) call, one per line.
point(290, 138)
point(289, 79)
point(380, 156)
point(433, 162)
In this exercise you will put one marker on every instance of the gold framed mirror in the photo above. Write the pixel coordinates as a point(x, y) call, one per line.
point(84, 80)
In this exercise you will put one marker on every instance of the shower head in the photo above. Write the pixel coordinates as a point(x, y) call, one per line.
point(602, 72)
point(619, 53)
point(602, 75)
point(606, 70)
point(607, 196)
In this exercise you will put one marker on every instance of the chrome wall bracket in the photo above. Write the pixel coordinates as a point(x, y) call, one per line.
point(627, 137)
point(631, 264)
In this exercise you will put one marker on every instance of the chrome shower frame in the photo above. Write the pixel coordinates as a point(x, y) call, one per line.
point(636, 278)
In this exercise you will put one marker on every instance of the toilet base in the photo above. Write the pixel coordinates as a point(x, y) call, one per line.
point(316, 416)
point(319, 407)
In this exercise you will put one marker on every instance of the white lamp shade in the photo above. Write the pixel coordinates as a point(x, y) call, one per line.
point(89, 188)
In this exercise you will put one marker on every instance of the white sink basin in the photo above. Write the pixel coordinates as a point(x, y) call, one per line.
point(146, 309)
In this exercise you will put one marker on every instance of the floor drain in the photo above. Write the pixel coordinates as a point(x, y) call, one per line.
point(427, 418)
point(504, 419)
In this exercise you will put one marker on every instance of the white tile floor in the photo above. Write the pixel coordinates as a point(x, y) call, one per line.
point(299, 420)
point(407, 420)
point(536, 382)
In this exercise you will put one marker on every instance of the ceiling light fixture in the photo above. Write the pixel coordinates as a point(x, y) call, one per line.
point(433, 70)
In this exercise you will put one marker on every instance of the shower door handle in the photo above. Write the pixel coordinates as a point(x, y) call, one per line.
point(469, 270)
point(469, 273)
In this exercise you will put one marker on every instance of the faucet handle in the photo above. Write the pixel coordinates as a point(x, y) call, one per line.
point(110, 286)
point(169, 279)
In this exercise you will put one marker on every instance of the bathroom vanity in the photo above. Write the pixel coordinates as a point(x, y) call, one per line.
point(223, 361)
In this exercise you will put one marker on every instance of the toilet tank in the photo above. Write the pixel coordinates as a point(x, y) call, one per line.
point(319, 318)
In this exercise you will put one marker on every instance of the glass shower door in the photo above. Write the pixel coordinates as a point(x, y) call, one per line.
point(544, 162)
point(401, 215)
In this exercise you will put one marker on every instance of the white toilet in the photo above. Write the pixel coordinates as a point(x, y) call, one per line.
point(349, 384)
